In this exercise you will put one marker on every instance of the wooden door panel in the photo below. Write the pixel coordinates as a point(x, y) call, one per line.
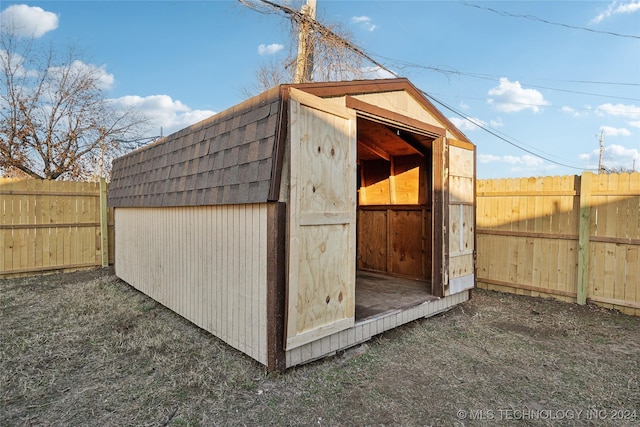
point(322, 217)
point(461, 216)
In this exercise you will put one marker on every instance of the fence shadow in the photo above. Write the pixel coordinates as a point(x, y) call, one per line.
point(562, 236)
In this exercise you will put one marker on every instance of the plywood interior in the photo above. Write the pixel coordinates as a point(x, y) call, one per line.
point(394, 202)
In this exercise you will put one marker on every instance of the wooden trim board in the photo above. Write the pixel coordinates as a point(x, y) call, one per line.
point(276, 292)
point(368, 328)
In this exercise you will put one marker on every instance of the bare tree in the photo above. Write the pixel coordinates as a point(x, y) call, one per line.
point(55, 120)
point(335, 55)
point(617, 170)
point(268, 74)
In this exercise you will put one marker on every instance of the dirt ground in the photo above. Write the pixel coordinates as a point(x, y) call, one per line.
point(84, 348)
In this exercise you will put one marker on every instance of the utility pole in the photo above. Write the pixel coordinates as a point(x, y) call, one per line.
point(304, 60)
point(600, 165)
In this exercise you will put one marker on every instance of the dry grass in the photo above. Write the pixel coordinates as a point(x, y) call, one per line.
point(86, 349)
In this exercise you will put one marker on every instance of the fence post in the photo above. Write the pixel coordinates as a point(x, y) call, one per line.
point(583, 237)
point(104, 227)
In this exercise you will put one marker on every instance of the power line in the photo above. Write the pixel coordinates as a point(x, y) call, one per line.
point(359, 51)
point(404, 64)
point(544, 21)
point(600, 83)
point(557, 107)
point(317, 26)
point(300, 17)
point(497, 135)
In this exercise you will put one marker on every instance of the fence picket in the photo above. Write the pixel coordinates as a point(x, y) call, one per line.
point(573, 238)
point(50, 226)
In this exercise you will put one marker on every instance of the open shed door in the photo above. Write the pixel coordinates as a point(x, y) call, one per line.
point(322, 219)
point(458, 216)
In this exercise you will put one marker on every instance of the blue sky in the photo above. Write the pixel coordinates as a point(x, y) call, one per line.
point(550, 87)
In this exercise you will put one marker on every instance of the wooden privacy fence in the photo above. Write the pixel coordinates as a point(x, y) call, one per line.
point(53, 226)
point(570, 237)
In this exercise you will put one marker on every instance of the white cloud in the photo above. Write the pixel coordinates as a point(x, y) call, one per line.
point(575, 113)
point(511, 97)
point(467, 124)
point(105, 80)
point(615, 156)
point(359, 19)
point(525, 160)
point(616, 8)
point(628, 111)
point(488, 158)
point(570, 111)
point(18, 62)
point(27, 21)
point(635, 123)
point(171, 115)
point(270, 49)
point(464, 106)
point(497, 123)
point(364, 22)
point(525, 165)
point(620, 152)
point(611, 131)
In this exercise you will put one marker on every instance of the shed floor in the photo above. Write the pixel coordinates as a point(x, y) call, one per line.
point(380, 294)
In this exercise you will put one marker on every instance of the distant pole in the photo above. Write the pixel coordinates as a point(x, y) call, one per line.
point(304, 58)
point(600, 164)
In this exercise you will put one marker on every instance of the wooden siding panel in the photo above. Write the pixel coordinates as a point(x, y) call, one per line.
point(208, 264)
point(400, 102)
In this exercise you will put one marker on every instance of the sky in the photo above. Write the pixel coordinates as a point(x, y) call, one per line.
point(535, 85)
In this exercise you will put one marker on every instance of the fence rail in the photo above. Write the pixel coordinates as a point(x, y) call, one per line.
point(570, 237)
point(573, 238)
point(53, 226)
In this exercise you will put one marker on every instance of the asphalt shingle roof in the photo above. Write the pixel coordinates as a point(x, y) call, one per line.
point(226, 159)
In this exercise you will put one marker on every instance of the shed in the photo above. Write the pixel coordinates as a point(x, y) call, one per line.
point(304, 220)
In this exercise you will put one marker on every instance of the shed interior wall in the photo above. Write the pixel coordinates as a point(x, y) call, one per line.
point(394, 225)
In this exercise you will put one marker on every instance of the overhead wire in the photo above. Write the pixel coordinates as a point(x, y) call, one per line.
point(545, 21)
point(359, 51)
point(496, 134)
point(404, 64)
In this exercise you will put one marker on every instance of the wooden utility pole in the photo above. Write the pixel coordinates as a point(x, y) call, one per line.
point(600, 161)
point(304, 60)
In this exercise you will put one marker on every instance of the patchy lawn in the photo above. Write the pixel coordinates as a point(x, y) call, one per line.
point(86, 349)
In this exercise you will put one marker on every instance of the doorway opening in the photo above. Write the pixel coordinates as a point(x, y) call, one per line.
point(394, 248)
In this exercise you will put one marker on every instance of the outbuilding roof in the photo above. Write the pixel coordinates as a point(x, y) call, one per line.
point(233, 157)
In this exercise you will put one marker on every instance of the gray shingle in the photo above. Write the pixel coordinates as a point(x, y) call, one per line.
point(223, 159)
